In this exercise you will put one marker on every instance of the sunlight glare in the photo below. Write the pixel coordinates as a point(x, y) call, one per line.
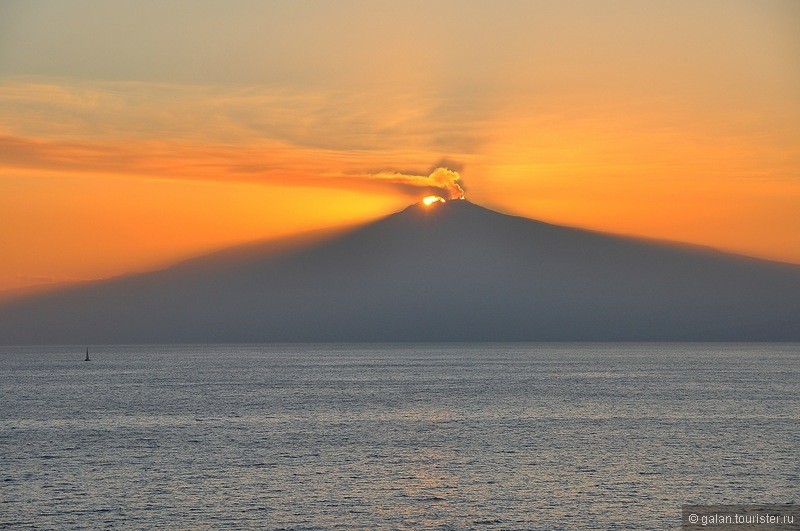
point(431, 199)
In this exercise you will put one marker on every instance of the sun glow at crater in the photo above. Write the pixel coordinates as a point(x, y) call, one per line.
point(431, 199)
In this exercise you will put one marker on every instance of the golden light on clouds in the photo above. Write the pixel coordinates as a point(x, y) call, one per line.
point(444, 179)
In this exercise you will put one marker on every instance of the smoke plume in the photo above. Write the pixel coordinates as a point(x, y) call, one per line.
point(444, 180)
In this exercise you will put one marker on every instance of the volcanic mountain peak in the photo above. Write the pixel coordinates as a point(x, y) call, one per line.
point(469, 220)
point(450, 206)
point(447, 271)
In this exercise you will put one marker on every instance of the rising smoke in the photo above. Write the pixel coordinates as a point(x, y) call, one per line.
point(445, 181)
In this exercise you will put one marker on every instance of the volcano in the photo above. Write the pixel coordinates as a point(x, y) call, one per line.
point(451, 271)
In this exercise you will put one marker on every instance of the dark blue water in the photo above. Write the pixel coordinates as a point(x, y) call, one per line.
point(396, 437)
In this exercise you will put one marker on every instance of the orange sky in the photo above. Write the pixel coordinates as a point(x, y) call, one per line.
point(133, 134)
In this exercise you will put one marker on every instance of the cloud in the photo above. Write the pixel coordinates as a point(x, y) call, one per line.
point(316, 119)
point(442, 180)
point(274, 164)
point(355, 140)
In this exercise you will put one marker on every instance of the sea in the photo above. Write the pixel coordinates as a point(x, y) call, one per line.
point(409, 436)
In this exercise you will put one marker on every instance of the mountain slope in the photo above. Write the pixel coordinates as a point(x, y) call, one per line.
point(451, 272)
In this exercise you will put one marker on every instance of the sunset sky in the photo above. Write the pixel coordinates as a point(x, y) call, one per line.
point(137, 133)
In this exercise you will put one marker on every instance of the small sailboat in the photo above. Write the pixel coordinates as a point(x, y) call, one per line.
point(87, 355)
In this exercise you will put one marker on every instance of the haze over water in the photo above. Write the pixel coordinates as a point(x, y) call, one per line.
point(514, 436)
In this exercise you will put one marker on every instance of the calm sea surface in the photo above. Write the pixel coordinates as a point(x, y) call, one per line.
point(518, 436)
